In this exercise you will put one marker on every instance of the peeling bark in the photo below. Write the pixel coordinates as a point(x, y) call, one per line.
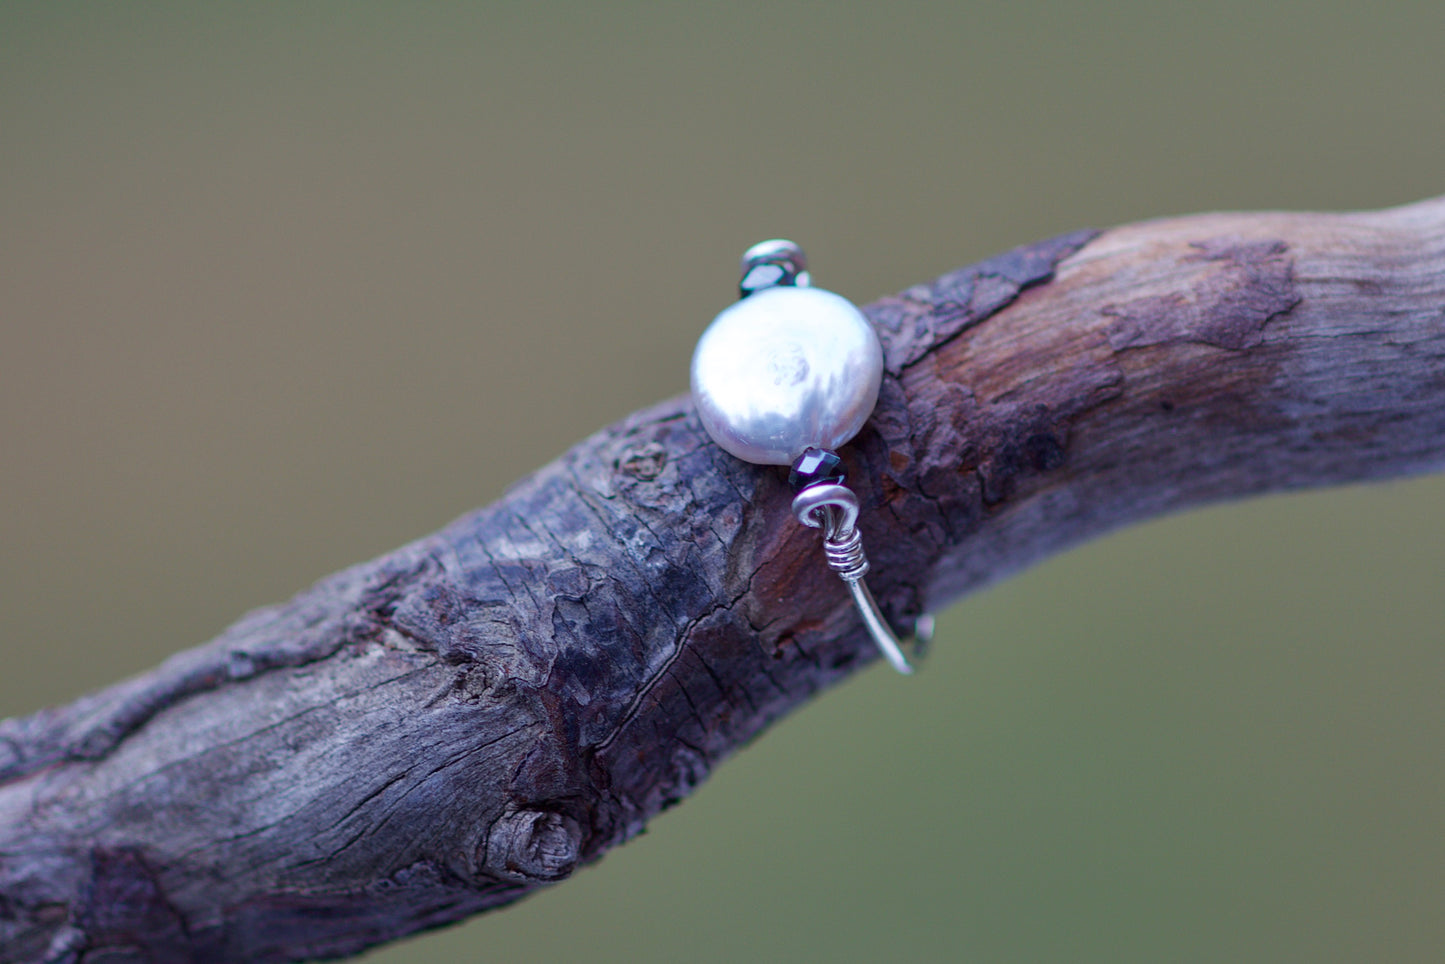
point(451, 726)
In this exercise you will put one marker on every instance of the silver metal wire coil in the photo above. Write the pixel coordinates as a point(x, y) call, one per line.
point(845, 556)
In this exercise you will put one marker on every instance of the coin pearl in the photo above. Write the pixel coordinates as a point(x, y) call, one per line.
point(784, 370)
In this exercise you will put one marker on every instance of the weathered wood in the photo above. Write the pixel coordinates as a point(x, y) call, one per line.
point(442, 730)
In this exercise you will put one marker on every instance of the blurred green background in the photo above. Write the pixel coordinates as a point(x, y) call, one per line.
point(284, 286)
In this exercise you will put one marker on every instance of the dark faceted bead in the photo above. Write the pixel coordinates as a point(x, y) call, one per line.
point(771, 264)
point(814, 466)
point(760, 277)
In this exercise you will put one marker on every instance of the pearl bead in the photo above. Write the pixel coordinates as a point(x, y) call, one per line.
point(784, 370)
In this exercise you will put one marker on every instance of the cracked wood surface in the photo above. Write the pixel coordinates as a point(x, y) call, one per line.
point(451, 726)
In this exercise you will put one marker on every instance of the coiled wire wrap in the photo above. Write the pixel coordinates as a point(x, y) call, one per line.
point(834, 509)
point(845, 556)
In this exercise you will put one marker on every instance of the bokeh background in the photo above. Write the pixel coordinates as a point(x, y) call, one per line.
point(284, 286)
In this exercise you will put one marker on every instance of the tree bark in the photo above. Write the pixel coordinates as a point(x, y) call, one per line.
point(444, 729)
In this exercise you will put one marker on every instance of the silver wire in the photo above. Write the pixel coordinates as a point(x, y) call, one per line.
point(834, 509)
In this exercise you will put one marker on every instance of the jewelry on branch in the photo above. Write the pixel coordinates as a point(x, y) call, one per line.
point(786, 376)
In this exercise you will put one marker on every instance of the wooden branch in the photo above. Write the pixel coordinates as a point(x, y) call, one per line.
point(444, 729)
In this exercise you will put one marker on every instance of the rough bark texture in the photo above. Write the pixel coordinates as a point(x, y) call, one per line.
point(441, 730)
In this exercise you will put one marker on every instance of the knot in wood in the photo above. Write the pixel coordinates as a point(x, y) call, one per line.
point(534, 846)
point(645, 462)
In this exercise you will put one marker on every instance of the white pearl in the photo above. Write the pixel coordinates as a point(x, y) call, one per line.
point(784, 370)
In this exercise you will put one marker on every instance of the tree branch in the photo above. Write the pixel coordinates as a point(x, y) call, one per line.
point(446, 728)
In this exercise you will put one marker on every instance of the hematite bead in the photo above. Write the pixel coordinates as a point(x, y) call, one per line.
point(768, 264)
point(814, 466)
